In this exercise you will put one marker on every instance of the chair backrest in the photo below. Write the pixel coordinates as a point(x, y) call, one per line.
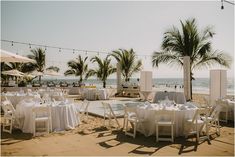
point(85, 105)
point(206, 100)
point(8, 107)
point(165, 115)
point(200, 111)
point(41, 111)
point(107, 107)
point(217, 108)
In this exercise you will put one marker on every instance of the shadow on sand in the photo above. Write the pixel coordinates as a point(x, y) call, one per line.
point(148, 145)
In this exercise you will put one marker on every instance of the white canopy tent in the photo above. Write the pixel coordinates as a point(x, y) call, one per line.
point(6, 56)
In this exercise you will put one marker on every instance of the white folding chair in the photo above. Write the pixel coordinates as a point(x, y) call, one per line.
point(41, 114)
point(196, 124)
point(9, 116)
point(165, 118)
point(126, 114)
point(132, 118)
point(84, 109)
point(213, 118)
point(108, 112)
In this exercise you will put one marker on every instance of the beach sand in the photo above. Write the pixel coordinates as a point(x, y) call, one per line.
point(92, 138)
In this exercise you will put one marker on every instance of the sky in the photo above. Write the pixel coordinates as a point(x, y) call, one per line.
point(107, 26)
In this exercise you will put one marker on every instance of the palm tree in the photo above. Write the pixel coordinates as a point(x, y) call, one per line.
point(38, 54)
point(104, 69)
point(78, 67)
point(128, 63)
point(189, 42)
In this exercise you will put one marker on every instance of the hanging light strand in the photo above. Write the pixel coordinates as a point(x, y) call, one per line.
point(62, 48)
point(225, 1)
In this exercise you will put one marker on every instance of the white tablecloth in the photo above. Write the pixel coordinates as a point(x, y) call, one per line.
point(93, 94)
point(15, 99)
point(178, 97)
point(64, 116)
point(148, 113)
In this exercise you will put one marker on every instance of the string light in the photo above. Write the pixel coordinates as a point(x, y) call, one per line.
point(60, 48)
point(29, 46)
point(222, 4)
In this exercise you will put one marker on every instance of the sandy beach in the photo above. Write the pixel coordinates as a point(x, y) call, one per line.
point(92, 138)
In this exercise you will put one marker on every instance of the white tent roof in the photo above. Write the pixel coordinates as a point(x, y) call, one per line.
point(13, 73)
point(6, 56)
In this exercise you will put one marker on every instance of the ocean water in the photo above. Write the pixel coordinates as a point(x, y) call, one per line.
point(200, 85)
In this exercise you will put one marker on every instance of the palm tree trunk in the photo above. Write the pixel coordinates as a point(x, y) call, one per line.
point(191, 90)
point(39, 79)
point(104, 84)
point(191, 84)
point(80, 80)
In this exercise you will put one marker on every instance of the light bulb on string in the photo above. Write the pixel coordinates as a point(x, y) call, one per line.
point(73, 51)
point(12, 43)
point(29, 46)
point(222, 4)
point(45, 48)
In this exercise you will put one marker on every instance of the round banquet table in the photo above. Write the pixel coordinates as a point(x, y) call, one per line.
point(64, 117)
point(92, 94)
point(15, 99)
point(148, 114)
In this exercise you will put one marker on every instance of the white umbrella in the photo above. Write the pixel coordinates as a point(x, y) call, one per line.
point(52, 73)
point(13, 73)
point(6, 56)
